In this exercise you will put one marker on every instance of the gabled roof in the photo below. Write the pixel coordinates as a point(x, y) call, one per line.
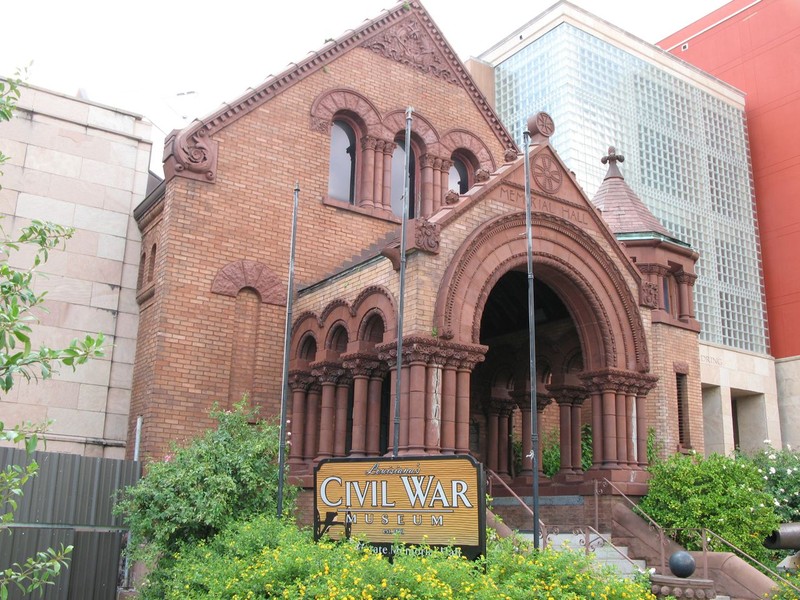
point(405, 33)
point(622, 209)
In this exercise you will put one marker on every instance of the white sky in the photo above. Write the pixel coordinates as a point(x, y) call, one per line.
point(144, 56)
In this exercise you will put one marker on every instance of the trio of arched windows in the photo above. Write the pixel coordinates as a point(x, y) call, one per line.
point(344, 169)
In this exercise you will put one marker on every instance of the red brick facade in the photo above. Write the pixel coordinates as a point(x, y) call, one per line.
point(213, 303)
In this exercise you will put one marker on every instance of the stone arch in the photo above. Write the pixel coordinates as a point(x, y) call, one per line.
point(305, 329)
point(421, 128)
point(571, 263)
point(240, 274)
point(336, 314)
point(339, 100)
point(457, 139)
point(371, 300)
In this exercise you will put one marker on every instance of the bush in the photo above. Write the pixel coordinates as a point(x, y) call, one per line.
point(781, 472)
point(229, 473)
point(724, 494)
point(268, 558)
point(551, 451)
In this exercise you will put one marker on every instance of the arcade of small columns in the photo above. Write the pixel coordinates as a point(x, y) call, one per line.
point(375, 190)
point(435, 410)
point(658, 274)
point(618, 418)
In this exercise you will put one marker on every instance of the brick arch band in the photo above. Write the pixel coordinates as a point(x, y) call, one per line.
point(571, 263)
point(240, 274)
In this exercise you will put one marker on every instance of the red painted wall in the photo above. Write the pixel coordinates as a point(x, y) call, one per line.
point(755, 46)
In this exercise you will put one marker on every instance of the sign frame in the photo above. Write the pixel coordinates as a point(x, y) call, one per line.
point(403, 520)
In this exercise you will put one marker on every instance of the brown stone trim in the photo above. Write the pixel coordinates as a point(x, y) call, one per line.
point(421, 129)
point(235, 276)
point(371, 300)
point(374, 212)
point(457, 139)
point(329, 103)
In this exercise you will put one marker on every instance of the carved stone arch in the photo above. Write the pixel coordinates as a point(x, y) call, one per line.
point(241, 274)
point(575, 266)
point(336, 314)
point(307, 325)
point(375, 298)
point(332, 337)
point(461, 139)
point(421, 129)
point(335, 306)
point(359, 107)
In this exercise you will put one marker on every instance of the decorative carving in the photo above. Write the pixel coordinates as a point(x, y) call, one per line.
point(547, 174)
point(300, 380)
point(426, 235)
point(568, 394)
point(451, 197)
point(190, 153)
point(510, 155)
point(648, 295)
point(684, 277)
point(541, 123)
point(235, 276)
point(327, 372)
point(408, 44)
point(360, 364)
point(482, 175)
point(320, 125)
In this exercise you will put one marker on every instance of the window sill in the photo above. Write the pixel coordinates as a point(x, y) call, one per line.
point(661, 316)
point(369, 211)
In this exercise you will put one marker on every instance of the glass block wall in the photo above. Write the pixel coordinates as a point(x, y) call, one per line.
point(686, 156)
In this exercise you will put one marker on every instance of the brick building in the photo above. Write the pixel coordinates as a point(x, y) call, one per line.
point(616, 336)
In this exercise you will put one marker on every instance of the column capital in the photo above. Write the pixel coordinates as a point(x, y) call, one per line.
point(300, 380)
point(434, 351)
point(568, 394)
point(617, 380)
point(327, 371)
point(360, 364)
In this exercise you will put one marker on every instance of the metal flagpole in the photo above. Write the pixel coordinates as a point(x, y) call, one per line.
point(286, 343)
point(532, 344)
point(399, 361)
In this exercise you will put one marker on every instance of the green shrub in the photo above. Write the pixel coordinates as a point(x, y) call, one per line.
point(268, 558)
point(229, 473)
point(551, 450)
point(723, 494)
point(781, 472)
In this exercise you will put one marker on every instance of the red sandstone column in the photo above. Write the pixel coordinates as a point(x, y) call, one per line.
point(492, 437)
point(427, 185)
point(433, 409)
point(462, 409)
point(527, 460)
point(328, 374)
point(575, 426)
point(685, 284)
point(542, 400)
point(312, 425)
point(503, 443)
point(597, 429)
point(392, 399)
point(609, 429)
point(565, 433)
point(404, 407)
point(449, 408)
point(374, 412)
point(630, 428)
point(641, 431)
point(377, 180)
point(340, 425)
point(436, 185)
point(622, 428)
point(367, 171)
point(298, 382)
point(360, 391)
point(388, 149)
point(416, 405)
point(445, 177)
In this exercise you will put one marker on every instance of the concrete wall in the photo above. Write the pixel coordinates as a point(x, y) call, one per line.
point(83, 165)
point(788, 372)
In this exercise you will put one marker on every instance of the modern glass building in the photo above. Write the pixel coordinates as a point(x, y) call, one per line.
point(684, 137)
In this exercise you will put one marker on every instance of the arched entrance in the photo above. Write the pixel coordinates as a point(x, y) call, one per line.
point(592, 359)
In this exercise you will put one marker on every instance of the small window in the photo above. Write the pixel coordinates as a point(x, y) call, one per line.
point(459, 176)
point(342, 170)
point(682, 398)
point(398, 179)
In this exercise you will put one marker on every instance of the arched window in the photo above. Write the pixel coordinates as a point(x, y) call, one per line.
point(342, 169)
point(459, 176)
point(398, 178)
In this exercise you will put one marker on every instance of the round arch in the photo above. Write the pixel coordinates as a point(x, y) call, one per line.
point(571, 263)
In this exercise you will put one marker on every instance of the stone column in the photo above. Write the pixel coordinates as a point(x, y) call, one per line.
point(492, 432)
point(416, 403)
point(685, 285)
point(388, 149)
point(503, 442)
point(360, 367)
point(342, 405)
point(622, 428)
point(542, 401)
point(312, 425)
point(433, 408)
point(374, 410)
point(577, 438)
point(630, 427)
point(328, 374)
point(436, 188)
point(597, 429)
point(524, 405)
point(426, 161)
point(445, 179)
point(299, 382)
point(641, 431)
point(449, 407)
point(368, 145)
point(565, 433)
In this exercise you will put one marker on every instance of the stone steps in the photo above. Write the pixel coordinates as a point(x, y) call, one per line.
point(603, 552)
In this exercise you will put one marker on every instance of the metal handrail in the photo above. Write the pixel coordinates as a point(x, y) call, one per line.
point(494, 476)
point(589, 545)
point(703, 531)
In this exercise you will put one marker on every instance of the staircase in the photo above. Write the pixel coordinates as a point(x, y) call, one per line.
point(604, 552)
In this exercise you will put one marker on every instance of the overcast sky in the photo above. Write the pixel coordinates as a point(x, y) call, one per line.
point(174, 60)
